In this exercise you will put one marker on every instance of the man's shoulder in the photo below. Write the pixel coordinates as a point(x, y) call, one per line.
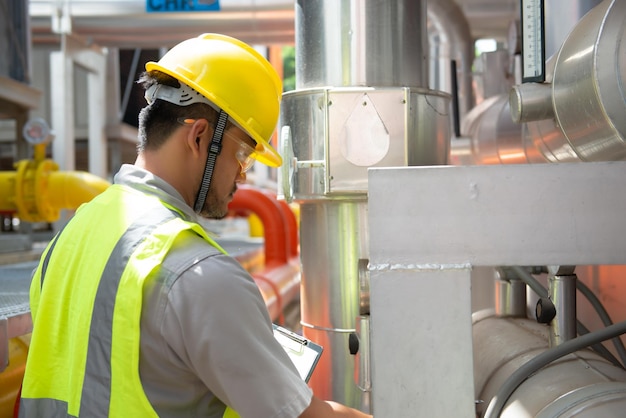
point(189, 250)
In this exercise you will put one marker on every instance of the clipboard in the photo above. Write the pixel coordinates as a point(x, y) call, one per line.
point(303, 352)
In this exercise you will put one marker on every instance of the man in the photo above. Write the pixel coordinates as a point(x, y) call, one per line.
point(137, 311)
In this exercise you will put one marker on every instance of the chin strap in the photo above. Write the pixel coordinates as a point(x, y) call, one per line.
point(215, 147)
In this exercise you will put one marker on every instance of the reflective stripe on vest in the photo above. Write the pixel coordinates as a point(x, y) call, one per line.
point(94, 371)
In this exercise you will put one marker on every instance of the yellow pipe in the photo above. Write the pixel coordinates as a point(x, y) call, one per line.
point(70, 189)
point(36, 191)
point(7, 181)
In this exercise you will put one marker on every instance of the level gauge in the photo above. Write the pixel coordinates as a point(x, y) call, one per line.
point(533, 41)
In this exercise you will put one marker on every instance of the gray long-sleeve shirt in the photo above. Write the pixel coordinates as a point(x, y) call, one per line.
point(206, 335)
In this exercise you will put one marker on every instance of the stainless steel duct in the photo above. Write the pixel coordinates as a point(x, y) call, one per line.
point(588, 91)
point(342, 43)
point(493, 137)
point(561, 17)
point(450, 39)
point(582, 384)
point(583, 100)
point(361, 101)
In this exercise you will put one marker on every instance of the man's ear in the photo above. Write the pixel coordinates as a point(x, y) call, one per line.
point(198, 136)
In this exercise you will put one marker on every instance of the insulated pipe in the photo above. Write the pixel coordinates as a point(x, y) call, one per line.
point(589, 93)
point(341, 43)
point(585, 79)
point(361, 100)
point(575, 378)
point(450, 39)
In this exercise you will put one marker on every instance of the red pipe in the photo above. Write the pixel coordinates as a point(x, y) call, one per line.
point(268, 210)
point(279, 280)
point(292, 228)
point(292, 225)
point(279, 286)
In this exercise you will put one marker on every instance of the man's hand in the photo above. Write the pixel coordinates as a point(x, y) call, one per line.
point(326, 409)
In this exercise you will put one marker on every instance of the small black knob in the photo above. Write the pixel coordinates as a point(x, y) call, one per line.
point(545, 311)
point(353, 343)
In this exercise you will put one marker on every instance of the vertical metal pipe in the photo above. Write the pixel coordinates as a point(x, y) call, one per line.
point(333, 240)
point(450, 39)
point(380, 47)
point(361, 43)
point(510, 298)
point(562, 292)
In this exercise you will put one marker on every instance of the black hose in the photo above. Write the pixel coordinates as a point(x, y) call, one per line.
point(520, 375)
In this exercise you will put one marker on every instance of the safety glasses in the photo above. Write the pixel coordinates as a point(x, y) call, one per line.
point(244, 154)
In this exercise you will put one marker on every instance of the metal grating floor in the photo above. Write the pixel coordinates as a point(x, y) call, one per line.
point(14, 287)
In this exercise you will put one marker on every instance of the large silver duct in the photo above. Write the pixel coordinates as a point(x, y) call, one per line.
point(576, 114)
point(450, 40)
point(587, 91)
point(361, 101)
point(344, 43)
point(561, 17)
point(582, 384)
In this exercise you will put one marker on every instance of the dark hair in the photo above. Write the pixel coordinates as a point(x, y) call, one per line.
point(157, 121)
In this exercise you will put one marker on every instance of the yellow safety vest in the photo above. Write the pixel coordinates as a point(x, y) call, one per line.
point(86, 300)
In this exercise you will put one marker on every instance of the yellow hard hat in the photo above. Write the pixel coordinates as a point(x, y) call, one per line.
point(234, 77)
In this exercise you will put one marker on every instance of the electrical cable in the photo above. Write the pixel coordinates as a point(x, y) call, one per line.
point(533, 283)
point(541, 291)
point(538, 288)
point(604, 316)
point(527, 369)
point(599, 348)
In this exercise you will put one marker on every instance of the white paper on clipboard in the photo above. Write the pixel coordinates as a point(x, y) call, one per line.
point(303, 352)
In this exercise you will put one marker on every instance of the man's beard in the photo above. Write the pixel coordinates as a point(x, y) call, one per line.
point(213, 207)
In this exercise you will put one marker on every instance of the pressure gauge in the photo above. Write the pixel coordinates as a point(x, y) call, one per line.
point(533, 41)
point(36, 131)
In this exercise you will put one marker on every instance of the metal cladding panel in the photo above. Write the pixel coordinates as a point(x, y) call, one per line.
point(337, 134)
point(304, 113)
point(545, 214)
point(421, 343)
point(366, 128)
